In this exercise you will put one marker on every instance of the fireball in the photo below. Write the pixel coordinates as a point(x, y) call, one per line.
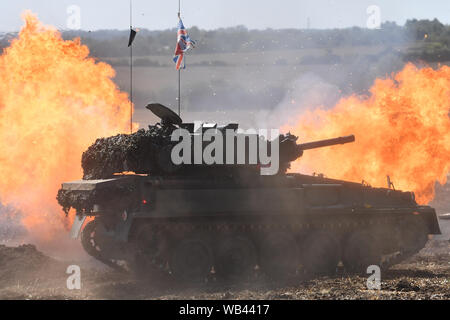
point(54, 102)
point(402, 130)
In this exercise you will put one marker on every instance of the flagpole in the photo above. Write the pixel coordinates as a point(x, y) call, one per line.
point(131, 69)
point(179, 70)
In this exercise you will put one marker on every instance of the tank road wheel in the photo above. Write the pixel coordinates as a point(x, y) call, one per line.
point(414, 236)
point(320, 254)
point(361, 251)
point(191, 259)
point(96, 246)
point(279, 255)
point(235, 257)
point(151, 251)
point(88, 239)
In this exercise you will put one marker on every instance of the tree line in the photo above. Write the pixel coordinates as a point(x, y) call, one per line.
point(427, 40)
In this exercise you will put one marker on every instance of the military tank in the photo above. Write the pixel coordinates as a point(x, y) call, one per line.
point(197, 221)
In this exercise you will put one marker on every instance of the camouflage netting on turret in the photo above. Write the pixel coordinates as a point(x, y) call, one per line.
point(137, 152)
point(148, 151)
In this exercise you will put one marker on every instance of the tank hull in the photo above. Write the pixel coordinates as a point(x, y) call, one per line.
point(279, 226)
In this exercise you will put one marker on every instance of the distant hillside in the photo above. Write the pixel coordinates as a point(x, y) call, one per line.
point(238, 39)
point(428, 40)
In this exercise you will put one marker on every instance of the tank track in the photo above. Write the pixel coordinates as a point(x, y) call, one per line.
point(94, 249)
point(176, 233)
point(156, 244)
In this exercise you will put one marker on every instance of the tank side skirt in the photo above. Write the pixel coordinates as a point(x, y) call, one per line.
point(293, 222)
point(304, 214)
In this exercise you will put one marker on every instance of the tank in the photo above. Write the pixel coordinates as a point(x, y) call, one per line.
point(195, 222)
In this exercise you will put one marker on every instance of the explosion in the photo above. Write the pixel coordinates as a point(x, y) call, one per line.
point(402, 131)
point(54, 102)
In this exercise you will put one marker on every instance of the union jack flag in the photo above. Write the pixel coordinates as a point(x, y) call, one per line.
point(184, 43)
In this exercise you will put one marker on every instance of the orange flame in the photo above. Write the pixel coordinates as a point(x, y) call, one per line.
point(402, 130)
point(54, 102)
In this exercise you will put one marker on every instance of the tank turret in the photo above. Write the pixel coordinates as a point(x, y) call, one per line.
point(149, 151)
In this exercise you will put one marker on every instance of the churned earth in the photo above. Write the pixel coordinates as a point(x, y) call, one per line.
point(26, 273)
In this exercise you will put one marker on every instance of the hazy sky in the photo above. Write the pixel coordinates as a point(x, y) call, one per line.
point(211, 14)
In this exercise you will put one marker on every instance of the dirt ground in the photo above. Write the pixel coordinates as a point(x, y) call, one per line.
point(26, 273)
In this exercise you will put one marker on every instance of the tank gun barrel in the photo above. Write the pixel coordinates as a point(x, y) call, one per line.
point(326, 143)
